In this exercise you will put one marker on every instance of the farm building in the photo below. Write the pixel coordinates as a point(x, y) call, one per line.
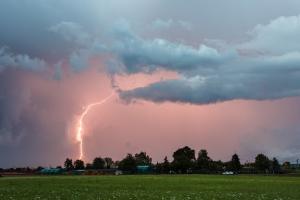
point(144, 169)
point(52, 171)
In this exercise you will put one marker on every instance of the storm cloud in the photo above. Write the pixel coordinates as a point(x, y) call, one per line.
point(272, 74)
point(139, 55)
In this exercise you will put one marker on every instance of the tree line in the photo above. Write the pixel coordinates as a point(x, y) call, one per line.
point(184, 161)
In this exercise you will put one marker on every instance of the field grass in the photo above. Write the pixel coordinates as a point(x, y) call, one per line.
point(177, 187)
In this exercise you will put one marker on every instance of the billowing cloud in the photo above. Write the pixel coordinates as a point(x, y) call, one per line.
point(136, 54)
point(19, 61)
point(72, 32)
point(140, 55)
point(279, 36)
point(247, 76)
point(86, 46)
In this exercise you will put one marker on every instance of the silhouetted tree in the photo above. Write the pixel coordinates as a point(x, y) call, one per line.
point(235, 164)
point(184, 159)
point(108, 162)
point(216, 166)
point(79, 164)
point(262, 162)
point(143, 159)
point(203, 161)
point(166, 167)
point(117, 163)
point(69, 164)
point(128, 164)
point(98, 163)
point(158, 168)
point(275, 166)
point(89, 166)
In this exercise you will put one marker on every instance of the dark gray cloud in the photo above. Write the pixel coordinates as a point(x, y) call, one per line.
point(136, 54)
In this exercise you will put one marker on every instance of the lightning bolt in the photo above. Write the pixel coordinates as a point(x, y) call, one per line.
point(80, 123)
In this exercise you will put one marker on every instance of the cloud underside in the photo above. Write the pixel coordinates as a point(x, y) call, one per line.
point(254, 79)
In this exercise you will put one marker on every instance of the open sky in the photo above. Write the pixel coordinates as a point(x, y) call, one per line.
point(219, 75)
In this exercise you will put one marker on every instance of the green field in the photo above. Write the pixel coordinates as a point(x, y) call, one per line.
point(150, 187)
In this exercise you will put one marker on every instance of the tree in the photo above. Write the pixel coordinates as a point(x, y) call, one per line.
point(143, 159)
point(163, 167)
point(166, 167)
point(108, 162)
point(275, 166)
point(39, 168)
point(158, 168)
point(128, 164)
point(203, 160)
point(184, 159)
point(235, 164)
point(79, 164)
point(98, 163)
point(68, 164)
point(216, 166)
point(89, 166)
point(262, 162)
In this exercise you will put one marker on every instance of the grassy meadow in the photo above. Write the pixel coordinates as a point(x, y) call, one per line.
point(175, 187)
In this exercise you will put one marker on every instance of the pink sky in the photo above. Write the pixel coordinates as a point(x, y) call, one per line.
point(117, 127)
